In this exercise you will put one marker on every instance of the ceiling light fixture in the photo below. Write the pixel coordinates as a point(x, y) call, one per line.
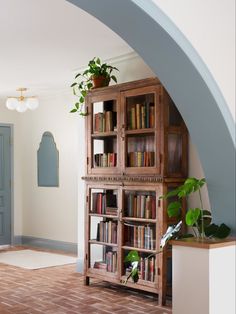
point(22, 103)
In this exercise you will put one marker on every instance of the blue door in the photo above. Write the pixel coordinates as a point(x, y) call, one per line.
point(5, 185)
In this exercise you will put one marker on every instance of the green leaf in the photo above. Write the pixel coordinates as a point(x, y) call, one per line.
point(211, 230)
point(216, 231)
point(83, 93)
point(192, 216)
point(134, 275)
point(77, 75)
point(173, 209)
point(77, 105)
point(132, 257)
point(170, 194)
point(73, 110)
point(72, 85)
point(81, 99)
point(114, 78)
point(98, 61)
point(222, 232)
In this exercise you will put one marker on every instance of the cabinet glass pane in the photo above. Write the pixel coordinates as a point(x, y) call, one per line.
point(142, 236)
point(103, 230)
point(146, 267)
point(140, 204)
point(175, 118)
point(140, 112)
point(103, 258)
point(174, 153)
point(103, 202)
point(105, 152)
point(140, 151)
point(104, 116)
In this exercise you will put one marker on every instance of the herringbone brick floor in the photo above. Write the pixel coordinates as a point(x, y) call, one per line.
point(60, 290)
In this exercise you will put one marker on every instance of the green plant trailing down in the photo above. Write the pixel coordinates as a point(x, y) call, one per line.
point(84, 81)
point(199, 219)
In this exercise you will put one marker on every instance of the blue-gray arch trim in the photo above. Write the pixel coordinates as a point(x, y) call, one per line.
point(175, 62)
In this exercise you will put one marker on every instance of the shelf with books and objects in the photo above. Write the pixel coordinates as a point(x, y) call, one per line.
point(136, 152)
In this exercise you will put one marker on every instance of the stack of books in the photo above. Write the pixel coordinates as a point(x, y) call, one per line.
point(141, 116)
point(141, 159)
point(109, 264)
point(141, 206)
point(104, 121)
point(107, 232)
point(105, 160)
point(104, 203)
point(140, 236)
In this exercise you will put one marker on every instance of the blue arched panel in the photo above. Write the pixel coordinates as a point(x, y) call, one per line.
point(48, 161)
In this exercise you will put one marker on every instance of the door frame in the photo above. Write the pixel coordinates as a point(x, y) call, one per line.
point(11, 127)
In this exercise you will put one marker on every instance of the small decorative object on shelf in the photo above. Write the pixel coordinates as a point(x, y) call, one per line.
point(136, 152)
point(96, 75)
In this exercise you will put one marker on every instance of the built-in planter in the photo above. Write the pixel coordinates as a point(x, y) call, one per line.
point(203, 276)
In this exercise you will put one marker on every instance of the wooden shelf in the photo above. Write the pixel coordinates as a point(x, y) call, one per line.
point(104, 134)
point(131, 248)
point(102, 243)
point(140, 131)
point(139, 219)
point(103, 215)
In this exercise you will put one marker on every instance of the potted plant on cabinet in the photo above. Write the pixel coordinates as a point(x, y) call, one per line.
point(198, 219)
point(96, 75)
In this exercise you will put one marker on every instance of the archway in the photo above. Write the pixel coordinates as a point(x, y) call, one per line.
point(161, 45)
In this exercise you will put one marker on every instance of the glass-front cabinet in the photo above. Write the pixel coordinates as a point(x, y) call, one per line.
point(136, 151)
point(136, 131)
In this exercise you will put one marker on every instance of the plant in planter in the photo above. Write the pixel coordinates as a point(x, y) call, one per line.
point(199, 219)
point(96, 75)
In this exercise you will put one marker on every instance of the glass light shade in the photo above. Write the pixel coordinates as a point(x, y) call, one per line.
point(21, 107)
point(11, 103)
point(32, 103)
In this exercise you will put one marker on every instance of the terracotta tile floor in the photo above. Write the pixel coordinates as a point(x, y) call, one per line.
point(60, 290)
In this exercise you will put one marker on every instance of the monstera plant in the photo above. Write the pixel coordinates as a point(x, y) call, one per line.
point(198, 219)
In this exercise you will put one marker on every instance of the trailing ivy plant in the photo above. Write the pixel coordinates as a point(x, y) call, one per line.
point(199, 219)
point(84, 81)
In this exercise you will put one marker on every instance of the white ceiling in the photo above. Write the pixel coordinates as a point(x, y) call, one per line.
point(42, 42)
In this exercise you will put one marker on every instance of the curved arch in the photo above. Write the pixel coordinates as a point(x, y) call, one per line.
point(171, 57)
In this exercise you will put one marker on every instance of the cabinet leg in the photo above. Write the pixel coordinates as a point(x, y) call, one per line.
point(161, 299)
point(86, 281)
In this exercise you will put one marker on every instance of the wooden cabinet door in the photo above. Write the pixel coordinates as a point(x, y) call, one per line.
point(141, 127)
point(103, 140)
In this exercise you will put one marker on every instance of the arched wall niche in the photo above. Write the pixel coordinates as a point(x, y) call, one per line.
point(175, 62)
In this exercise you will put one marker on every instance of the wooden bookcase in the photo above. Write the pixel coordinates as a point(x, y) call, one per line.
point(136, 151)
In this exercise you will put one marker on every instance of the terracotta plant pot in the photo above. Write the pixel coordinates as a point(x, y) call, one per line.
point(100, 81)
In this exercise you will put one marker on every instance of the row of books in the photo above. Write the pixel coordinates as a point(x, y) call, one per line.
point(141, 206)
point(104, 121)
point(107, 231)
point(146, 269)
point(141, 159)
point(109, 264)
point(141, 116)
point(105, 160)
point(140, 236)
point(104, 203)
